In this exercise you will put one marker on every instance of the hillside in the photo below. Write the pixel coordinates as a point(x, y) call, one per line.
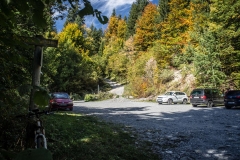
point(180, 82)
point(173, 46)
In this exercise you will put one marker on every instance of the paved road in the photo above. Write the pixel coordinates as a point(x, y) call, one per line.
point(176, 131)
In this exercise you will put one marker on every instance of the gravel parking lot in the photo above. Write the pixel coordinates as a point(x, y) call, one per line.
point(175, 131)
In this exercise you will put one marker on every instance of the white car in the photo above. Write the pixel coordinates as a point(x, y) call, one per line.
point(173, 97)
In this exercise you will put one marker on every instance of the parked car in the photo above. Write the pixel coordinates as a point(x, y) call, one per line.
point(204, 96)
point(60, 100)
point(232, 99)
point(173, 97)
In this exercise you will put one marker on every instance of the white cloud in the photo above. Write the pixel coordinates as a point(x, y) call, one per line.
point(121, 7)
point(106, 7)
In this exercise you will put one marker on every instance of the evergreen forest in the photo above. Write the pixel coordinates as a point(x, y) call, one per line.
point(176, 44)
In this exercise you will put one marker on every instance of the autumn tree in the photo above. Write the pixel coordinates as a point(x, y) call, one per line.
point(117, 62)
point(146, 28)
point(110, 38)
point(111, 31)
point(114, 38)
point(122, 29)
point(174, 29)
point(175, 24)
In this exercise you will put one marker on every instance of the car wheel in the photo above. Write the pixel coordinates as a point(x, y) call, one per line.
point(194, 105)
point(170, 101)
point(210, 104)
point(184, 101)
point(228, 107)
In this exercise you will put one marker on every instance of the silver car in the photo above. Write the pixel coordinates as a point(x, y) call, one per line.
point(173, 97)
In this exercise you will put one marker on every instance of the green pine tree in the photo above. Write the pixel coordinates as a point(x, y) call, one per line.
point(226, 17)
point(135, 11)
point(72, 17)
point(113, 13)
point(95, 36)
point(163, 8)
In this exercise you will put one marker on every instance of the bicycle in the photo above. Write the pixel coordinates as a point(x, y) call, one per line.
point(35, 134)
point(39, 131)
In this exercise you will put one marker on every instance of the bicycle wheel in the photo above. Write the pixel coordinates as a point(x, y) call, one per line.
point(40, 142)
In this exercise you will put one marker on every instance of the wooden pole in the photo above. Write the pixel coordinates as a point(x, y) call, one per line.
point(37, 64)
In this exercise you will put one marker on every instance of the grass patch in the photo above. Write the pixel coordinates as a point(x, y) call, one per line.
point(79, 137)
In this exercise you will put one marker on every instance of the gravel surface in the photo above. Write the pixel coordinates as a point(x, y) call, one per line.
point(175, 131)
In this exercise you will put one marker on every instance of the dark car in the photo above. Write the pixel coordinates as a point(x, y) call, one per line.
point(60, 100)
point(209, 97)
point(232, 99)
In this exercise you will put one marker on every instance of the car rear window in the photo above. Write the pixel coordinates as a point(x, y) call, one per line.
point(234, 93)
point(197, 92)
point(61, 95)
point(169, 93)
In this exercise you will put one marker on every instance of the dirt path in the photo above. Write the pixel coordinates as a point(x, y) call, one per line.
point(117, 89)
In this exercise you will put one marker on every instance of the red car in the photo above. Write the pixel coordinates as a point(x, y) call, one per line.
point(60, 100)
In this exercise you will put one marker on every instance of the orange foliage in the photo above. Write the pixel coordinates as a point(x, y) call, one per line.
point(146, 28)
point(179, 22)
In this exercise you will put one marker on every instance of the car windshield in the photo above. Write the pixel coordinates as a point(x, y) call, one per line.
point(169, 93)
point(61, 95)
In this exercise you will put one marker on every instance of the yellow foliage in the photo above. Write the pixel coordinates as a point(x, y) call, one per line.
point(179, 22)
point(112, 28)
point(122, 28)
point(73, 37)
point(71, 32)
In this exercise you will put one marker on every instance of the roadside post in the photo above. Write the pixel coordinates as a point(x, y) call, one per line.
point(39, 43)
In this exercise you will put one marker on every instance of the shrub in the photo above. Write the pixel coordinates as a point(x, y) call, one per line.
point(89, 97)
point(105, 95)
point(75, 96)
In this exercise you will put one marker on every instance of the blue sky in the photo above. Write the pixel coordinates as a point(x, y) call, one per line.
point(122, 8)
